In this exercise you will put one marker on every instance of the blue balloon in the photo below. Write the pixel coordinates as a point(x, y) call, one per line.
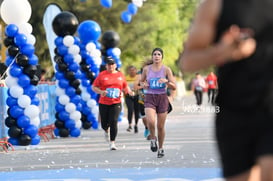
point(31, 131)
point(31, 91)
point(63, 83)
point(89, 31)
point(11, 101)
point(74, 67)
point(70, 123)
point(70, 91)
point(126, 17)
point(35, 101)
point(33, 60)
point(76, 99)
point(23, 121)
point(11, 30)
point(63, 115)
point(69, 58)
point(20, 39)
point(58, 41)
point(15, 70)
point(23, 80)
point(106, 3)
point(59, 75)
point(13, 141)
point(36, 140)
point(98, 45)
point(62, 50)
point(132, 8)
point(75, 132)
point(56, 132)
point(27, 49)
point(95, 124)
point(59, 107)
point(16, 111)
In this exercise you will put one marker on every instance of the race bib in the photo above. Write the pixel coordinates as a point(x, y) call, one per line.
point(211, 82)
point(198, 88)
point(113, 92)
point(154, 84)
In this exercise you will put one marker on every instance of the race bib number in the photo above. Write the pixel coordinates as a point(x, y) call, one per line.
point(154, 84)
point(211, 82)
point(113, 92)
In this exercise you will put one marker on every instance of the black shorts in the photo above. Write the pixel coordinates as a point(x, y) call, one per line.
point(242, 138)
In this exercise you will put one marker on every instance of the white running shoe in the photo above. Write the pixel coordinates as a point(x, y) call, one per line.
point(113, 146)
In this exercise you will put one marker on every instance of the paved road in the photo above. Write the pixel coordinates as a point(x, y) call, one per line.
point(190, 153)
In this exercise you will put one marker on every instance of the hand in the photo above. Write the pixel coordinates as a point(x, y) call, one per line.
point(103, 93)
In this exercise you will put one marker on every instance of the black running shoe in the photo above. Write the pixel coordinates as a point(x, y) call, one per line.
point(129, 129)
point(160, 153)
point(153, 145)
point(136, 129)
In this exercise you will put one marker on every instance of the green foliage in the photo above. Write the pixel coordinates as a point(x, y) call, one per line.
point(158, 23)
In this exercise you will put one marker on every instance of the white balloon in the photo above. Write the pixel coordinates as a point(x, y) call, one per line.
point(90, 47)
point(77, 58)
point(64, 99)
point(91, 103)
point(74, 49)
point(138, 3)
point(116, 51)
point(68, 40)
point(76, 115)
point(16, 91)
point(31, 39)
point(24, 101)
point(59, 91)
point(35, 121)
point(78, 124)
point(32, 111)
point(15, 11)
point(25, 28)
point(85, 96)
point(70, 107)
point(11, 81)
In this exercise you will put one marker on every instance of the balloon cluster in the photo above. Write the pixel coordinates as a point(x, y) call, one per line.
point(68, 100)
point(89, 32)
point(23, 112)
point(132, 8)
point(110, 40)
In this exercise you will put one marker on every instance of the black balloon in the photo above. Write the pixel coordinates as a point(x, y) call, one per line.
point(58, 59)
point(85, 67)
point(22, 60)
point(30, 70)
point(24, 140)
point(90, 75)
point(75, 83)
point(34, 80)
point(70, 75)
point(14, 131)
point(59, 124)
point(83, 118)
point(78, 91)
point(9, 41)
point(13, 50)
point(110, 39)
point(86, 125)
point(62, 67)
point(63, 132)
point(10, 121)
point(65, 23)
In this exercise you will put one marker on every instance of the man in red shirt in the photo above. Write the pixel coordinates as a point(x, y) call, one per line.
point(212, 86)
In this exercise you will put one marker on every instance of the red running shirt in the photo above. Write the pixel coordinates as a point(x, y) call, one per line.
point(211, 81)
point(113, 81)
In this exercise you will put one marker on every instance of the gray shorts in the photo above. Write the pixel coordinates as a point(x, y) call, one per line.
point(158, 102)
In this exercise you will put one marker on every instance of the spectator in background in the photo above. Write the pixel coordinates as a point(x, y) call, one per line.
point(198, 86)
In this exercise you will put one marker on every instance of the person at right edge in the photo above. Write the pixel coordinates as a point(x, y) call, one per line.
point(236, 36)
point(155, 78)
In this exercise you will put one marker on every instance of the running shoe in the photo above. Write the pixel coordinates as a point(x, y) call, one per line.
point(106, 136)
point(146, 132)
point(136, 129)
point(160, 153)
point(113, 146)
point(153, 145)
point(129, 129)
